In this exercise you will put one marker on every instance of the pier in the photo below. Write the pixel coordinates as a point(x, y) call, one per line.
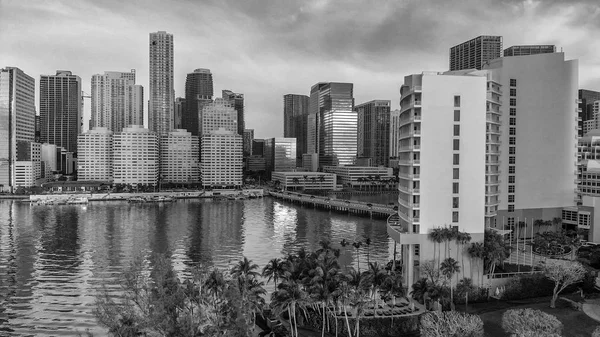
point(345, 206)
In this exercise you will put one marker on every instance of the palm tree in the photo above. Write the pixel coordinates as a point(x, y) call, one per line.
point(538, 223)
point(462, 238)
point(556, 222)
point(360, 283)
point(449, 268)
point(289, 296)
point(419, 289)
point(368, 243)
point(520, 226)
point(275, 269)
point(357, 246)
point(476, 251)
point(322, 281)
point(378, 277)
point(321, 180)
point(245, 269)
point(344, 293)
point(435, 236)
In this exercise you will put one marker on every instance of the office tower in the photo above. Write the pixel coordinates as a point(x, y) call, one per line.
point(198, 93)
point(280, 154)
point(442, 162)
point(218, 115)
point(529, 50)
point(117, 101)
point(50, 158)
point(38, 129)
point(178, 112)
point(248, 139)
point(221, 159)
point(334, 123)
point(179, 163)
point(586, 107)
point(295, 112)
point(373, 131)
point(474, 53)
point(594, 122)
point(135, 157)
point(539, 126)
point(162, 92)
point(95, 157)
point(394, 131)
point(258, 147)
point(61, 109)
point(28, 167)
point(17, 120)
point(236, 100)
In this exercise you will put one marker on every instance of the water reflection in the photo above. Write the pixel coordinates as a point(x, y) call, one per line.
point(54, 259)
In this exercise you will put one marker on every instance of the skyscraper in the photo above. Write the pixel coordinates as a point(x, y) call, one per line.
point(475, 52)
point(237, 102)
point(248, 139)
point(179, 157)
point(117, 101)
point(198, 93)
point(136, 159)
point(218, 115)
point(162, 92)
point(529, 50)
point(95, 157)
point(333, 122)
point(394, 130)
point(17, 120)
point(295, 113)
point(374, 131)
point(60, 109)
point(586, 107)
point(178, 113)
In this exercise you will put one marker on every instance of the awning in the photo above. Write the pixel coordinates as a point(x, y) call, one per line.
point(501, 231)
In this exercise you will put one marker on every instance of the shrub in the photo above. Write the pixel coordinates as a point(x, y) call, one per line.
point(527, 321)
point(528, 286)
point(596, 332)
point(535, 334)
point(451, 324)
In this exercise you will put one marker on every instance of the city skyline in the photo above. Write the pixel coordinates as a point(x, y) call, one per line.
point(266, 49)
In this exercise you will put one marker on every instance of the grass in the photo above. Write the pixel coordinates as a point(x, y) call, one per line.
point(576, 323)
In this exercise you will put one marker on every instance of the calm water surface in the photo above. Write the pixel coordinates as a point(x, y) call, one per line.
point(54, 259)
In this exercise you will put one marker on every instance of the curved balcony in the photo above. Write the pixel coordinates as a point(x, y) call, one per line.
point(399, 230)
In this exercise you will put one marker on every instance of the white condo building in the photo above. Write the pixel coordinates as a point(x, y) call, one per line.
point(222, 162)
point(95, 157)
point(116, 100)
point(161, 90)
point(179, 157)
point(135, 156)
point(216, 115)
point(442, 160)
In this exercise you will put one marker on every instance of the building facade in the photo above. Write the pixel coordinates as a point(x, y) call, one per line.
point(394, 132)
point(529, 50)
point(135, 159)
point(373, 131)
point(61, 109)
point(216, 115)
point(179, 162)
point(198, 93)
point(28, 167)
point(95, 157)
point(236, 100)
point(222, 162)
point(162, 92)
point(361, 177)
point(586, 108)
point(248, 141)
point(258, 147)
point(334, 123)
point(116, 100)
point(17, 120)
point(316, 181)
point(178, 112)
point(280, 154)
point(295, 112)
point(474, 53)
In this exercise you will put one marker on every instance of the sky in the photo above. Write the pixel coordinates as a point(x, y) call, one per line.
point(268, 48)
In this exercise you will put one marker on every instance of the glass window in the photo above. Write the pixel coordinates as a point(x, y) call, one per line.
point(513, 82)
point(455, 202)
point(512, 131)
point(511, 198)
point(511, 208)
point(512, 140)
point(456, 101)
point(455, 144)
point(454, 187)
point(511, 169)
point(513, 102)
point(457, 130)
point(454, 216)
point(455, 173)
point(511, 160)
point(513, 121)
point(513, 111)
point(513, 92)
point(455, 159)
point(512, 150)
point(511, 188)
point(457, 115)
point(511, 179)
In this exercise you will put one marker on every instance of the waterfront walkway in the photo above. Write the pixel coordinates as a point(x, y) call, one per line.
point(348, 206)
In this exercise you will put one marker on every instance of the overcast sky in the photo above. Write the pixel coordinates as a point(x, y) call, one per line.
point(265, 49)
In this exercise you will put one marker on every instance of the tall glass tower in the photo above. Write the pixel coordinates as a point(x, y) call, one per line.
point(198, 93)
point(162, 93)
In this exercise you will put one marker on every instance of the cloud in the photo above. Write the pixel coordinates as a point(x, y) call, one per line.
point(267, 48)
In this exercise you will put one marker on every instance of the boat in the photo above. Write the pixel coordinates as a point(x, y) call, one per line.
point(44, 202)
point(136, 199)
point(163, 198)
point(77, 200)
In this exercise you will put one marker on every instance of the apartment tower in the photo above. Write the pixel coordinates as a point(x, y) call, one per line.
point(135, 156)
point(529, 50)
point(179, 157)
point(17, 120)
point(95, 157)
point(162, 92)
point(117, 101)
point(474, 53)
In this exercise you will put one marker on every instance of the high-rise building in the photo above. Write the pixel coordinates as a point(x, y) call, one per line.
point(373, 131)
point(219, 114)
point(198, 93)
point(529, 50)
point(236, 100)
point(179, 157)
point(248, 139)
point(17, 120)
point(334, 122)
point(474, 53)
point(586, 107)
point(394, 130)
point(95, 157)
point(280, 154)
point(162, 92)
point(61, 106)
point(117, 101)
point(295, 113)
point(135, 157)
point(221, 159)
point(258, 147)
point(38, 129)
point(539, 126)
point(442, 161)
point(178, 111)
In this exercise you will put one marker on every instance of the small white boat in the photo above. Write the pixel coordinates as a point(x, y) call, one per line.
point(78, 200)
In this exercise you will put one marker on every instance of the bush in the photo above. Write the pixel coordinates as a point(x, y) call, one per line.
point(596, 332)
point(528, 286)
point(450, 323)
point(535, 334)
point(524, 322)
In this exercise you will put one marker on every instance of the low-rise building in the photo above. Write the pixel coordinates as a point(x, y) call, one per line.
point(305, 180)
point(362, 176)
